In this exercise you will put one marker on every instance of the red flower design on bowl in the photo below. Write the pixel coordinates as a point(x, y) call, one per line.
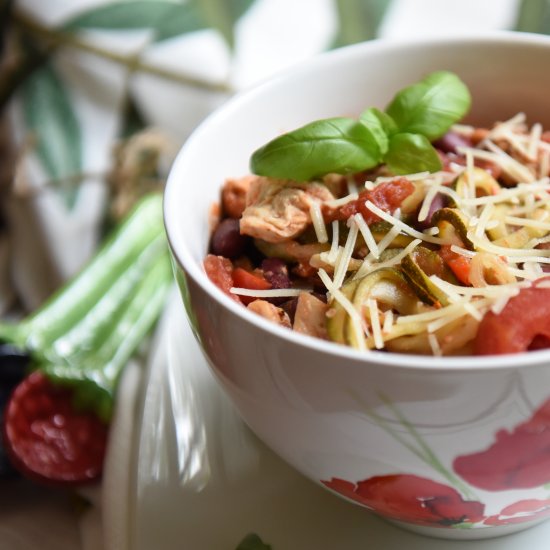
point(519, 512)
point(411, 498)
point(518, 459)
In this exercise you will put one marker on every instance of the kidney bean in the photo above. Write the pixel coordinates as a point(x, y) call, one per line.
point(227, 240)
point(276, 272)
point(451, 141)
point(439, 201)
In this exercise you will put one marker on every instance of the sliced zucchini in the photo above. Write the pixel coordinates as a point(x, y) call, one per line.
point(390, 289)
point(417, 268)
point(520, 237)
point(484, 184)
point(337, 315)
point(380, 229)
point(453, 226)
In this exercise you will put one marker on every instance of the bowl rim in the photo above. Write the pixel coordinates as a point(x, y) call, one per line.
point(186, 262)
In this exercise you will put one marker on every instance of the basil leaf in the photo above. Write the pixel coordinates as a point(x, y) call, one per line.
point(385, 121)
point(333, 145)
point(411, 153)
point(253, 542)
point(430, 106)
point(381, 125)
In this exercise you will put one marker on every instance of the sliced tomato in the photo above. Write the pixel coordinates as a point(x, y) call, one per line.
point(523, 324)
point(460, 265)
point(387, 196)
point(251, 281)
point(219, 271)
point(47, 440)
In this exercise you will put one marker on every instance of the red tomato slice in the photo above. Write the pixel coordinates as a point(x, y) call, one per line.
point(460, 265)
point(387, 196)
point(245, 279)
point(47, 440)
point(522, 325)
point(219, 271)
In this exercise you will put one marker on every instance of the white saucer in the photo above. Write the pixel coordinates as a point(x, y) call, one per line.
point(202, 481)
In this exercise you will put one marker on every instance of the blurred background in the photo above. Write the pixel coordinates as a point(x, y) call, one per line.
point(97, 96)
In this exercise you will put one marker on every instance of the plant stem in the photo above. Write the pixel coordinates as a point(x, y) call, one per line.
point(57, 38)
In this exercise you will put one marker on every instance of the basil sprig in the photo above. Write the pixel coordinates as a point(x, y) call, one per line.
point(340, 145)
point(400, 136)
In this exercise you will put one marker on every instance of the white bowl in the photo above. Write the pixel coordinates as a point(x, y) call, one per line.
point(381, 429)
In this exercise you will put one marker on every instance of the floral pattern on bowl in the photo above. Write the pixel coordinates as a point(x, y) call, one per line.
point(518, 459)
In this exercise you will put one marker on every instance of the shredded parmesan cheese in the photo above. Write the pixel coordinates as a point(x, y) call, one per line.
point(403, 226)
point(318, 222)
point(270, 293)
point(367, 235)
point(375, 323)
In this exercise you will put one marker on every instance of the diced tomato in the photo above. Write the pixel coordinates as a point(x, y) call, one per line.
point(523, 324)
point(460, 265)
point(252, 281)
point(219, 271)
point(47, 440)
point(387, 196)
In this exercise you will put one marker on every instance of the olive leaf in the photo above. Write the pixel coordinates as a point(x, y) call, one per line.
point(141, 14)
point(339, 145)
point(222, 15)
point(533, 16)
point(180, 19)
point(430, 106)
point(359, 20)
point(166, 18)
point(49, 116)
point(410, 153)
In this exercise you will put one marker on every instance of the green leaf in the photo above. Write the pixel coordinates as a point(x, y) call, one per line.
point(179, 19)
point(533, 16)
point(142, 14)
point(359, 20)
point(166, 17)
point(431, 106)
point(222, 15)
point(411, 153)
point(381, 125)
point(49, 115)
point(334, 145)
point(253, 542)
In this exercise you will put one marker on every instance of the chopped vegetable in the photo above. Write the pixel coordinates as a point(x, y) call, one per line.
point(524, 321)
point(85, 334)
point(78, 344)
